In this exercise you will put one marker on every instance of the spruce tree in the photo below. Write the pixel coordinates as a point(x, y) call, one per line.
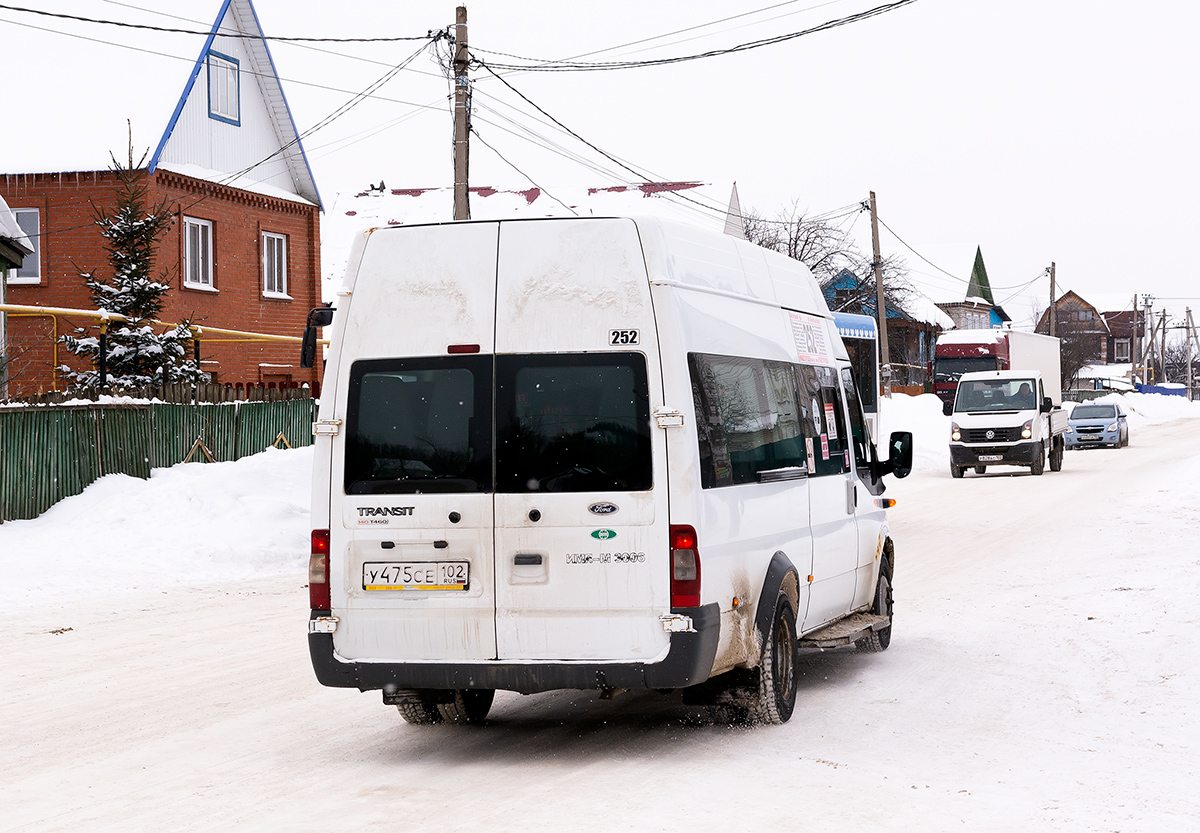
point(138, 354)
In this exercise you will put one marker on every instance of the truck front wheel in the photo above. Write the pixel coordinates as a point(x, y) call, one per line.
point(1039, 459)
point(1056, 453)
point(956, 471)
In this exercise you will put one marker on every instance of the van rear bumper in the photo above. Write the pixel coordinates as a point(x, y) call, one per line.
point(689, 661)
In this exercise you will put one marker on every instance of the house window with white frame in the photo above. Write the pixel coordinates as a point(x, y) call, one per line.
point(30, 270)
point(224, 101)
point(197, 253)
point(1121, 350)
point(274, 265)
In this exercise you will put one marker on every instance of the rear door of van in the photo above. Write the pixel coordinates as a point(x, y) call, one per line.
point(411, 526)
point(581, 523)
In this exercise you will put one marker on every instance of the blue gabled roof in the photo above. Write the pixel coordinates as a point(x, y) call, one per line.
point(286, 126)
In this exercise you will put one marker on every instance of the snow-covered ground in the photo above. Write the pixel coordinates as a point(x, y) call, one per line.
point(1043, 673)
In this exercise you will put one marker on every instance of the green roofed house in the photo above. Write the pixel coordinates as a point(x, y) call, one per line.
point(978, 310)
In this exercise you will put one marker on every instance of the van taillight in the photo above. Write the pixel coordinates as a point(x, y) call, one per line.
point(318, 571)
point(685, 567)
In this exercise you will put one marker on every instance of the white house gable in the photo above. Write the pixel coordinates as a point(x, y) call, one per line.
point(232, 122)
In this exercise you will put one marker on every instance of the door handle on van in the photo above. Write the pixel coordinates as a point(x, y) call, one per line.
point(527, 559)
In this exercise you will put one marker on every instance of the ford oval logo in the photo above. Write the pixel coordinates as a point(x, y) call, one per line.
point(602, 508)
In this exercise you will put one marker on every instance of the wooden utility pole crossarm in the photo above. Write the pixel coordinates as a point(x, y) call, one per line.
point(462, 121)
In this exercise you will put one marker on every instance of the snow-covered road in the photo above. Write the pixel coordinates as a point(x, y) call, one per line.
point(1043, 676)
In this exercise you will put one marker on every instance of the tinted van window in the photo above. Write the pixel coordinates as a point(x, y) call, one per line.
point(577, 422)
point(748, 418)
point(419, 425)
point(824, 422)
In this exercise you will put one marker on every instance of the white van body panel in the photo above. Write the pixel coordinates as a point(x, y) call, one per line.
point(422, 291)
point(564, 287)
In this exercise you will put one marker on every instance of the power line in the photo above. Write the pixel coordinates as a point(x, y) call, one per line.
point(292, 43)
point(522, 173)
point(669, 34)
point(244, 70)
point(148, 27)
point(572, 66)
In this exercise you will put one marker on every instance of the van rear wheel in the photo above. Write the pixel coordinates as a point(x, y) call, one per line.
point(470, 705)
point(419, 710)
point(778, 675)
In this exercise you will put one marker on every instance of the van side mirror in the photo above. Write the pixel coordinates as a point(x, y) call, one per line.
point(1047, 405)
point(947, 408)
point(900, 453)
point(318, 317)
point(899, 461)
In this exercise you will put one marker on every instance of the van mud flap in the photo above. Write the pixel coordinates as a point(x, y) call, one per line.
point(689, 661)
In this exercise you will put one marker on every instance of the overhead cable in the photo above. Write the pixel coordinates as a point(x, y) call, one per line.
point(126, 25)
point(597, 66)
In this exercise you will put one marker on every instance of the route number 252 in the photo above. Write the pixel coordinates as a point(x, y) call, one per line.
point(623, 337)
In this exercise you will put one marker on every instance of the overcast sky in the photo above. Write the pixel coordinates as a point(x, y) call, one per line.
point(1040, 130)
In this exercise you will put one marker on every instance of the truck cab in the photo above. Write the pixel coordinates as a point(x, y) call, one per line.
point(1005, 418)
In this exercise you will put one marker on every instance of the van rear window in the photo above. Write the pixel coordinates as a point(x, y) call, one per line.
point(572, 422)
point(419, 425)
point(563, 422)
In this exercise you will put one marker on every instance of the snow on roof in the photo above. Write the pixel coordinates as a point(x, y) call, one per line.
point(376, 207)
point(921, 308)
point(10, 231)
point(1106, 371)
point(971, 336)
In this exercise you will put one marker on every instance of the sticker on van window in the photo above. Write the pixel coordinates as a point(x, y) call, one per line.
point(830, 422)
point(812, 458)
point(624, 337)
point(824, 446)
point(808, 331)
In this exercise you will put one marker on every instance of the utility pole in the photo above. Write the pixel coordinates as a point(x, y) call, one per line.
point(885, 360)
point(462, 121)
point(1162, 353)
point(1135, 343)
point(1148, 327)
point(1188, 339)
point(1053, 311)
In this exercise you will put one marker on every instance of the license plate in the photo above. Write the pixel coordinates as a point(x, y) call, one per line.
point(1089, 437)
point(990, 458)
point(416, 575)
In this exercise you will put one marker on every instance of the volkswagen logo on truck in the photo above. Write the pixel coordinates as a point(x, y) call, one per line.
point(603, 508)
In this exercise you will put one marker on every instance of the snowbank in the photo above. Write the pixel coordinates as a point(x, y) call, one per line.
point(189, 524)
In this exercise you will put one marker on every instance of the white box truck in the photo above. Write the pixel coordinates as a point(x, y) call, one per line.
point(596, 453)
point(1012, 416)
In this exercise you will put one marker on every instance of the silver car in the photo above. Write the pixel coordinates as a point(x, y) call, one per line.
point(1098, 424)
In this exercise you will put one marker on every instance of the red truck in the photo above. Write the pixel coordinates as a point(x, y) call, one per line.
point(966, 351)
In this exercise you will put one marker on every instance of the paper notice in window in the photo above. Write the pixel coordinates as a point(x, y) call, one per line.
point(809, 333)
point(830, 421)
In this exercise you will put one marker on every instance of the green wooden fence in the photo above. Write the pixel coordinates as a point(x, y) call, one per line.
point(48, 453)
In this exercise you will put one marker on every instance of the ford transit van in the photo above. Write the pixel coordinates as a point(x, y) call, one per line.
point(595, 453)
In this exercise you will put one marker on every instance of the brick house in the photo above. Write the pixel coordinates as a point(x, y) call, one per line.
point(243, 252)
point(1083, 325)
